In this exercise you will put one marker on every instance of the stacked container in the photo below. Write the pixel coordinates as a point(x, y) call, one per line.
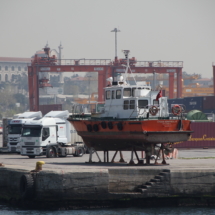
point(193, 103)
point(209, 104)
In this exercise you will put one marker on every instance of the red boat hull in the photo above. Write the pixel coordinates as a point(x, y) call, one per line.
point(131, 134)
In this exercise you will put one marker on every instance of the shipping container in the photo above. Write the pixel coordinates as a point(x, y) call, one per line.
point(208, 102)
point(193, 103)
point(202, 137)
point(207, 111)
point(47, 108)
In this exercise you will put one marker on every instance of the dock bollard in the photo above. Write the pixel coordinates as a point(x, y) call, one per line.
point(39, 165)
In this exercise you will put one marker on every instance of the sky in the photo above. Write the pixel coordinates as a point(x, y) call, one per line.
point(166, 30)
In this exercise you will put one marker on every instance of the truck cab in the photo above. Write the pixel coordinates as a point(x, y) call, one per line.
point(36, 135)
point(51, 134)
point(15, 129)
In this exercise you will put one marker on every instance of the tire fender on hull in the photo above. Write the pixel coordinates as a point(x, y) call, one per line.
point(89, 128)
point(119, 126)
point(95, 127)
point(103, 124)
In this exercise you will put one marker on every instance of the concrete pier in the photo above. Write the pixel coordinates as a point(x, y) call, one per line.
point(73, 181)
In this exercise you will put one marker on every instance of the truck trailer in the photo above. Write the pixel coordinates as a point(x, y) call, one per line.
point(53, 136)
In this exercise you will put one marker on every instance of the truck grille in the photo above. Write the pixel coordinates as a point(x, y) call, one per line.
point(13, 139)
point(29, 143)
point(29, 152)
point(13, 144)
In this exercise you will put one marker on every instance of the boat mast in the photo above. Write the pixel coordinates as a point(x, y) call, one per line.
point(126, 53)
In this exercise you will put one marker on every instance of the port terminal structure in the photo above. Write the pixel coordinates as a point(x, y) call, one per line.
point(214, 75)
point(105, 68)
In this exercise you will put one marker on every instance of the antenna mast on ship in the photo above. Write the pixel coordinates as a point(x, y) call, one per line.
point(126, 53)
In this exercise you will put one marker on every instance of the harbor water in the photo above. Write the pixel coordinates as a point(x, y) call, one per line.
point(125, 211)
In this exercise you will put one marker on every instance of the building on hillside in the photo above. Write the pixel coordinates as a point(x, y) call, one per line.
point(10, 66)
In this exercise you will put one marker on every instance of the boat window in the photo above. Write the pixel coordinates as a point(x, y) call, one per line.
point(133, 91)
point(118, 94)
point(143, 103)
point(108, 94)
point(132, 104)
point(155, 102)
point(127, 92)
point(126, 104)
point(113, 94)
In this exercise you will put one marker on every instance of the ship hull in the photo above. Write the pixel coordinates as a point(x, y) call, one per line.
point(131, 134)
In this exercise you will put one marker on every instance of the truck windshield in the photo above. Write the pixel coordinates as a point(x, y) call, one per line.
point(15, 129)
point(31, 132)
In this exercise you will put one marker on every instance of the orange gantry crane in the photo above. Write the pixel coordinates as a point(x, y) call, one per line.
point(105, 68)
point(214, 75)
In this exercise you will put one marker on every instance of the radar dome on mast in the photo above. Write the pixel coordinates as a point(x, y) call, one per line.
point(110, 79)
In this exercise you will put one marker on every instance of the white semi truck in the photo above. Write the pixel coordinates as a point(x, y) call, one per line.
point(15, 129)
point(53, 136)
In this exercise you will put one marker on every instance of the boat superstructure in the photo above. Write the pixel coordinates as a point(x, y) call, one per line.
point(133, 117)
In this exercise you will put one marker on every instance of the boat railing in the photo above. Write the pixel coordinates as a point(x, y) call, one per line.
point(112, 111)
point(86, 110)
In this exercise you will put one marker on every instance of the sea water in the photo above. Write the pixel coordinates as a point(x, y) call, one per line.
point(4, 210)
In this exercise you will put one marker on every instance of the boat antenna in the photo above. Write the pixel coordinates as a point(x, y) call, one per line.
point(126, 53)
point(115, 30)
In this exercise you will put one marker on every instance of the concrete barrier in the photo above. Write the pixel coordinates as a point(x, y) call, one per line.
point(109, 184)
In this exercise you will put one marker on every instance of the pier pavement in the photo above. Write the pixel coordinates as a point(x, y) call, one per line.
point(188, 158)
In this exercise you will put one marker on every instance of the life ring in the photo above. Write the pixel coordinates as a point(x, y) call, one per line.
point(104, 125)
point(95, 127)
point(110, 125)
point(176, 109)
point(89, 127)
point(119, 126)
point(153, 110)
point(26, 187)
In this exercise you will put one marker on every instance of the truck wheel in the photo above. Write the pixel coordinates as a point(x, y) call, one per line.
point(26, 186)
point(79, 152)
point(31, 156)
point(50, 153)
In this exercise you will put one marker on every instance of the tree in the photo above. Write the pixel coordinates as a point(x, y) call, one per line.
point(7, 100)
point(20, 98)
point(21, 81)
